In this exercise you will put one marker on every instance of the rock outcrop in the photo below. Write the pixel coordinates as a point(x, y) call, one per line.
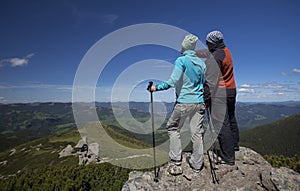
point(68, 151)
point(87, 153)
point(250, 172)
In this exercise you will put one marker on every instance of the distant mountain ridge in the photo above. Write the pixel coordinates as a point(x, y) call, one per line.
point(23, 122)
point(249, 114)
point(252, 115)
point(279, 138)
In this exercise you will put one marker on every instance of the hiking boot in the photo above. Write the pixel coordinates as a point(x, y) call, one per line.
point(236, 148)
point(174, 169)
point(230, 163)
point(175, 162)
point(220, 161)
point(195, 170)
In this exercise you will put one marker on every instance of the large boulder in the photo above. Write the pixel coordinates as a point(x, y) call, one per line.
point(68, 151)
point(88, 153)
point(81, 142)
point(251, 172)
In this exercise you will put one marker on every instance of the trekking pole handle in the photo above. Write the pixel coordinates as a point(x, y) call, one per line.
point(149, 86)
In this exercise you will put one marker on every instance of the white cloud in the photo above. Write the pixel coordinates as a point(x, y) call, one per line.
point(269, 91)
point(15, 62)
point(110, 18)
point(280, 93)
point(253, 86)
point(274, 86)
point(246, 90)
point(18, 62)
point(2, 100)
point(246, 86)
point(269, 85)
point(83, 15)
point(295, 71)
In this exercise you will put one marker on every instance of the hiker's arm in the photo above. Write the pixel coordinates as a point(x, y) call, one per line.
point(175, 76)
point(203, 53)
point(213, 73)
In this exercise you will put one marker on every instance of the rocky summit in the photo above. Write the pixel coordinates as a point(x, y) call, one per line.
point(250, 172)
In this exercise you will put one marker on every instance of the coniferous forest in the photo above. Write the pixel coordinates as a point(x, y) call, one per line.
point(90, 177)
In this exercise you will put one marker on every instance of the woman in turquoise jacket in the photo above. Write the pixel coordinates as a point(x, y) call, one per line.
point(187, 78)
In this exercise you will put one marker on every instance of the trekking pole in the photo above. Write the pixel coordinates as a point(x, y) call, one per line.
point(212, 170)
point(212, 167)
point(153, 133)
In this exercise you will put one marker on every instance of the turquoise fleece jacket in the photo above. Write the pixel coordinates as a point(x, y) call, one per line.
point(188, 77)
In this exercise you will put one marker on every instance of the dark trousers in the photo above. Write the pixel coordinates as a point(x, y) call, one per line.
point(232, 120)
point(224, 121)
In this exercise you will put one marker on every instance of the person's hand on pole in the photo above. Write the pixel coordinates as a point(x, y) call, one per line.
point(151, 87)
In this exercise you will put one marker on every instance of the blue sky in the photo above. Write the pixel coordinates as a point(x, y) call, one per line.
point(43, 42)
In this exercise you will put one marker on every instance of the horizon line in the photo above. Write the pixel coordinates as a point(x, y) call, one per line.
point(43, 102)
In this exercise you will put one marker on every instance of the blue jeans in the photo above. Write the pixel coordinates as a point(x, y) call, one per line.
point(195, 113)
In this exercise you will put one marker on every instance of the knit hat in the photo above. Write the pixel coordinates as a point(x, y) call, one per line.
point(214, 37)
point(189, 42)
